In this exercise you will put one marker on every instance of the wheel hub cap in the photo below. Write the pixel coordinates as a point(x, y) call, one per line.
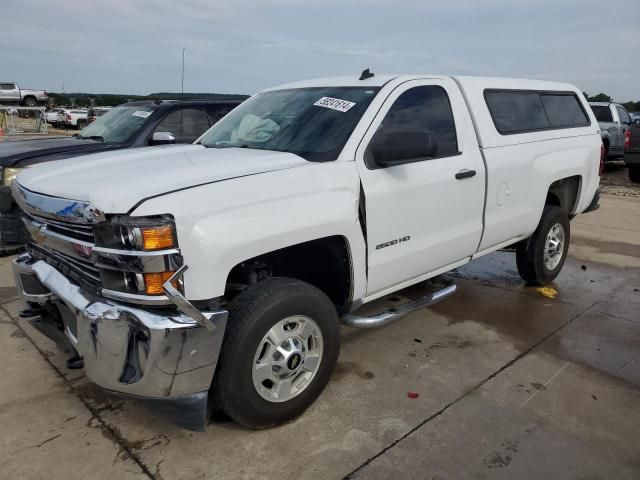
point(287, 358)
point(554, 246)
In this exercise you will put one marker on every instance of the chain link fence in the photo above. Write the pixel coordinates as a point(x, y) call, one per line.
point(23, 121)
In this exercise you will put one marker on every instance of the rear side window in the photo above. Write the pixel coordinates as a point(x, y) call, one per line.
point(602, 113)
point(564, 110)
point(516, 111)
point(7, 86)
point(624, 116)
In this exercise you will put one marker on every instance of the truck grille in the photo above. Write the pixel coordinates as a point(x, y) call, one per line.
point(82, 273)
point(79, 231)
point(66, 246)
point(59, 231)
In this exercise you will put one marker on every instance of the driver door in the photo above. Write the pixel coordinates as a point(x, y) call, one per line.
point(423, 213)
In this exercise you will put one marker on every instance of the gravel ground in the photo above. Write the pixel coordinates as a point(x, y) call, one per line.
point(615, 181)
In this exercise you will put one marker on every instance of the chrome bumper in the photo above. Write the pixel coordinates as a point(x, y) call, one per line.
point(155, 354)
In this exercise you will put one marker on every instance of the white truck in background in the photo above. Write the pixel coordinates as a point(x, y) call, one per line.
point(304, 203)
point(77, 118)
point(12, 94)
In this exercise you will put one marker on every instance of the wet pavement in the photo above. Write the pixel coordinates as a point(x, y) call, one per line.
point(512, 382)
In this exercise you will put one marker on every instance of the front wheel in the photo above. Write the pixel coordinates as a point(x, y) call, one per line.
point(541, 257)
point(280, 348)
point(634, 173)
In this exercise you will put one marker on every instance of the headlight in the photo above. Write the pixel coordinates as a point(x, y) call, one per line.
point(8, 174)
point(131, 233)
point(136, 255)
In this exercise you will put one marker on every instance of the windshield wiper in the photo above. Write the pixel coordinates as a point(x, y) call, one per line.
point(91, 137)
point(244, 145)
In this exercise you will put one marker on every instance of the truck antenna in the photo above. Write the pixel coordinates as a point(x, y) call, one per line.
point(365, 74)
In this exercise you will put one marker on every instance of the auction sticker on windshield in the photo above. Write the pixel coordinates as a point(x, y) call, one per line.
point(334, 104)
point(141, 114)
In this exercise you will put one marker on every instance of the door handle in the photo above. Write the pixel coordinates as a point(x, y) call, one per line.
point(465, 174)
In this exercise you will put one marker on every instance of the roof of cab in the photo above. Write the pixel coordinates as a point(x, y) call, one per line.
point(379, 80)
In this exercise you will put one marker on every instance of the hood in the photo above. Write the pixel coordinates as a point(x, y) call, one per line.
point(116, 181)
point(23, 153)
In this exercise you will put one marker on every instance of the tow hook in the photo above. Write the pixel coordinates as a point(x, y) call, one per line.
point(75, 362)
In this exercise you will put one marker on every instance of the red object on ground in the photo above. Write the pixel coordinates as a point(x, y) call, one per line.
point(413, 394)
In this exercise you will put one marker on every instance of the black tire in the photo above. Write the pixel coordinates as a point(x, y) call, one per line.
point(81, 124)
point(251, 315)
point(30, 102)
point(530, 252)
point(634, 173)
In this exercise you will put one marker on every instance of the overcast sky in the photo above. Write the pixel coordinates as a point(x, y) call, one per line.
point(241, 46)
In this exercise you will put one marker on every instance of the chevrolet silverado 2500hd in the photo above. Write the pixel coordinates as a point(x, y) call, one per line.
point(304, 203)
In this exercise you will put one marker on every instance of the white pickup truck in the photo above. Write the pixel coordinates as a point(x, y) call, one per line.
point(304, 203)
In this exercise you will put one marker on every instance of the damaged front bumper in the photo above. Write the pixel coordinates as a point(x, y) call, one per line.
point(165, 358)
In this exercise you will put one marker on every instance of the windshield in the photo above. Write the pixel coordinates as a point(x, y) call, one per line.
point(118, 124)
point(313, 123)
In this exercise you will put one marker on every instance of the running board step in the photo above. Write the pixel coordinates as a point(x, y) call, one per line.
point(395, 313)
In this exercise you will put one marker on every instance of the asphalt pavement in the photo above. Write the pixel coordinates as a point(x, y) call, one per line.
point(512, 382)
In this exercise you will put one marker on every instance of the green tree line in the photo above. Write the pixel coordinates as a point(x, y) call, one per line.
point(603, 97)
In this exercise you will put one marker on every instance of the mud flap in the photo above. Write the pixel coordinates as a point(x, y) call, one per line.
point(594, 205)
point(190, 412)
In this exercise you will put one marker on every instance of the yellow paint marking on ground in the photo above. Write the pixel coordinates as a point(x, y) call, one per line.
point(547, 292)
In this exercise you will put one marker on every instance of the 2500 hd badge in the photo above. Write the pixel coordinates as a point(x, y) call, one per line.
point(393, 242)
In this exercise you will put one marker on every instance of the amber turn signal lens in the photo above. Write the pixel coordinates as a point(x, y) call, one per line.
point(157, 238)
point(153, 282)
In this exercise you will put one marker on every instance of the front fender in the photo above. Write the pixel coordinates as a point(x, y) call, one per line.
point(223, 224)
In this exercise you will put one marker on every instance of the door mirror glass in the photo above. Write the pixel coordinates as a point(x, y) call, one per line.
point(163, 138)
point(402, 147)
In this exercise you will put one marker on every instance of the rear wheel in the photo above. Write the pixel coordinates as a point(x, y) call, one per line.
point(81, 124)
point(634, 173)
point(281, 346)
point(30, 102)
point(541, 257)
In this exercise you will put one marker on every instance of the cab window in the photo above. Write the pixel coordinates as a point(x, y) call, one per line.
point(186, 124)
point(421, 123)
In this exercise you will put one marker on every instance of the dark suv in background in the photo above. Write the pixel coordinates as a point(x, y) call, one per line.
point(131, 125)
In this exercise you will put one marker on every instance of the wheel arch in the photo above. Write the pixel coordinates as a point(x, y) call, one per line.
point(325, 263)
point(27, 97)
point(565, 193)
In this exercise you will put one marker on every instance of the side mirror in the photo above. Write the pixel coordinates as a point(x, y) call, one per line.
point(401, 147)
point(162, 138)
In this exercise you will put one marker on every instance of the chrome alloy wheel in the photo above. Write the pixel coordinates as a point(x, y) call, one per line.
point(554, 246)
point(287, 359)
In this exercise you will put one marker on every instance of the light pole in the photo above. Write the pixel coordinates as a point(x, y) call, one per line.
point(182, 82)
